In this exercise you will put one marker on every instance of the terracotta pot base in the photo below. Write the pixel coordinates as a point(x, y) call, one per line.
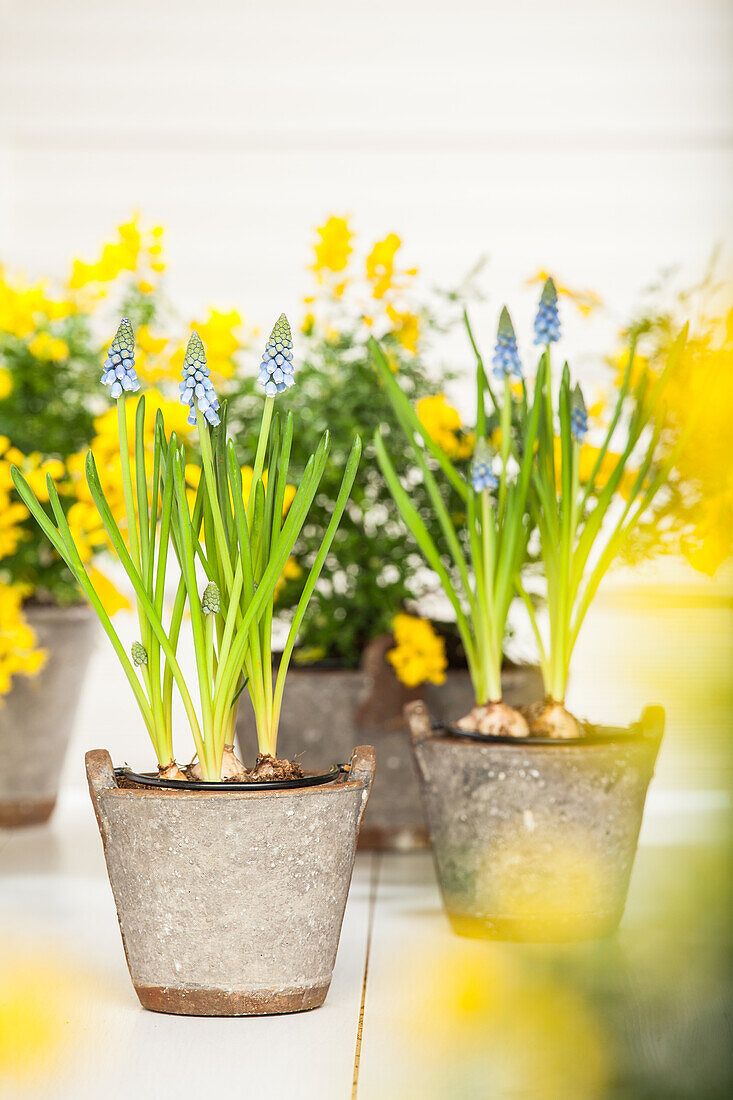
point(15, 813)
point(217, 1002)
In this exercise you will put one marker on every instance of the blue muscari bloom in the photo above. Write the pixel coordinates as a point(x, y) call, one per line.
point(276, 368)
point(578, 416)
point(506, 356)
point(547, 321)
point(197, 387)
point(482, 475)
point(119, 367)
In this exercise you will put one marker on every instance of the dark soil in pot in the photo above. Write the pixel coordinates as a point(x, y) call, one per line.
point(326, 710)
point(230, 902)
point(37, 715)
point(535, 839)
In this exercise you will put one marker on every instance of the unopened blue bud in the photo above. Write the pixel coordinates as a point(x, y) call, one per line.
point(547, 321)
point(197, 387)
point(119, 367)
point(482, 474)
point(506, 354)
point(578, 416)
point(276, 369)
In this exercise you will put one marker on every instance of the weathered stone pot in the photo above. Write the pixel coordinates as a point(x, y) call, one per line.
point(326, 711)
point(535, 839)
point(37, 715)
point(230, 903)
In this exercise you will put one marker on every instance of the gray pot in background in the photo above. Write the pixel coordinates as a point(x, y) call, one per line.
point(37, 715)
point(230, 903)
point(326, 711)
point(535, 840)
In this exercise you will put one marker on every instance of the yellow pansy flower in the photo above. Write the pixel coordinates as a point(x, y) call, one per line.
point(419, 654)
point(333, 247)
point(19, 652)
point(443, 424)
point(406, 327)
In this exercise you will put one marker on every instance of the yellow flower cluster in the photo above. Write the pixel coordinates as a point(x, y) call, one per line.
point(84, 519)
point(161, 359)
point(134, 250)
point(26, 308)
point(383, 281)
point(419, 653)
point(700, 393)
point(49, 348)
point(443, 424)
point(332, 248)
point(18, 644)
point(12, 514)
point(586, 464)
point(70, 481)
point(382, 270)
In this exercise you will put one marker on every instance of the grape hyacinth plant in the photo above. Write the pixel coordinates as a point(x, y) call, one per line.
point(480, 585)
point(230, 554)
point(583, 527)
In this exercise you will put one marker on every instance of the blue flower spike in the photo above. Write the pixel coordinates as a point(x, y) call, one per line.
point(506, 354)
point(578, 416)
point(119, 367)
point(547, 321)
point(197, 389)
point(482, 475)
point(276, 368)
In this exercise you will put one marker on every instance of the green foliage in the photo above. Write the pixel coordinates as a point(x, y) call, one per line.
point(47, 409)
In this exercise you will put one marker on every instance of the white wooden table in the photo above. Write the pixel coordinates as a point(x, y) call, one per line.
point(412, 1011)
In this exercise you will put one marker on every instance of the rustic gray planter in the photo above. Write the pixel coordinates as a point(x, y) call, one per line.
point(326, 711)
point(535, 840)
point(37, 715)
point(230, 903)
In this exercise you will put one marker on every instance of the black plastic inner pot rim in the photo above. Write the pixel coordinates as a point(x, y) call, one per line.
point(150, 779)
point(649, 730)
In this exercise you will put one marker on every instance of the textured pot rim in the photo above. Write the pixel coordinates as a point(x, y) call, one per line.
point(101, 777)
point(648, 730)
point(149, 779)
point(636, 733)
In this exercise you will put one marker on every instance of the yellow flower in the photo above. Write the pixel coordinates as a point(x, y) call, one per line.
point(291, 571)
point(406, 327)
point(6, 383)
point(641, 366)
point(419, 653)
point(380, 264)
point(18, 644)
point(133, 249)
point(112, 599)
point(45, 346)
point(586, 463)
point(221, 334)
point(23, 308)
point(333, 247)
point(585, 301)
point(443, 424)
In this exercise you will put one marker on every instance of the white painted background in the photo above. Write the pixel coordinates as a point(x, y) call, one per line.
point(593, 138)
